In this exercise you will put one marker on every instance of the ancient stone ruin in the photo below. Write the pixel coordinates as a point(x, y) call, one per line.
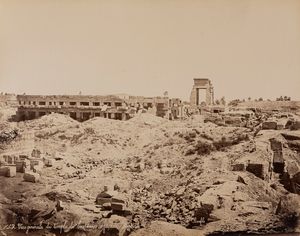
point(202, 93)
point(83, 107)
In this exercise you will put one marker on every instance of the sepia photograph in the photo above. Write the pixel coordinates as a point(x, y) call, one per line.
point(149, 117)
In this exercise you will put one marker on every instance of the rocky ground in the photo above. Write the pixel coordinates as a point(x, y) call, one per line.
point(175, 178)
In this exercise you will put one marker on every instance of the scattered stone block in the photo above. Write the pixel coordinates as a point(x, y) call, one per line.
point(115, 225)
point(278, 162)
point(102, 200)
point(106, 206)
point(238, 167)
point(19, 166)
point(275, 144)
point(111, 200)
point(118, 206)
point(31, 177)
point(295, 125)
point(3, 170)
point(256, 169)
point(11, 171)
point(233, 121)
point(269, 125)
point(105, 196)
point(118, 198)
point(280, 126)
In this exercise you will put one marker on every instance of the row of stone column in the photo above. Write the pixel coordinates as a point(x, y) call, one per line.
point(77, 115)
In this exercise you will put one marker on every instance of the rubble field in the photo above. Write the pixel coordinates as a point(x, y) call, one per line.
point(150, 176)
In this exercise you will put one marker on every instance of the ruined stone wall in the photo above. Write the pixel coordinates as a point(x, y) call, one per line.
point(8, 100)
point(83, 107)
point(56, 99)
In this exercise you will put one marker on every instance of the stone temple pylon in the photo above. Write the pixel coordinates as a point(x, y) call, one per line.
point(202, 93)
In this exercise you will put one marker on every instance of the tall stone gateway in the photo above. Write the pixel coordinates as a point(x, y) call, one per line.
point(202, 93)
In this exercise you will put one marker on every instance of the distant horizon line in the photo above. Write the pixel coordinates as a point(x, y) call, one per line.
point(130, 95)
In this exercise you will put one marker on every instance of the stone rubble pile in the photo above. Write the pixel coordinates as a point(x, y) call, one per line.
point(7, 136)
point(179, 206)
point(158, 180)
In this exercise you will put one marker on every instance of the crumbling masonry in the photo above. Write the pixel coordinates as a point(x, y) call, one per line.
point(83, 107)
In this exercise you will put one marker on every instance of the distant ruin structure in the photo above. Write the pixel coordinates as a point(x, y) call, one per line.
point(84, 107)
point(8, 100)
point(202, 93)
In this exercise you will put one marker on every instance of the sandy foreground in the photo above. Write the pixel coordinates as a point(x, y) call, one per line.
point(174, 178)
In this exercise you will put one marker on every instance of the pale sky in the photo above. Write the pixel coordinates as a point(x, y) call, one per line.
point(246, 47)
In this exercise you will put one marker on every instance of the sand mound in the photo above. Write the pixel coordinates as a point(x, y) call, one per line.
point(100, 121)
point(52, 120)
point(147, 119)
point(56, 118)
